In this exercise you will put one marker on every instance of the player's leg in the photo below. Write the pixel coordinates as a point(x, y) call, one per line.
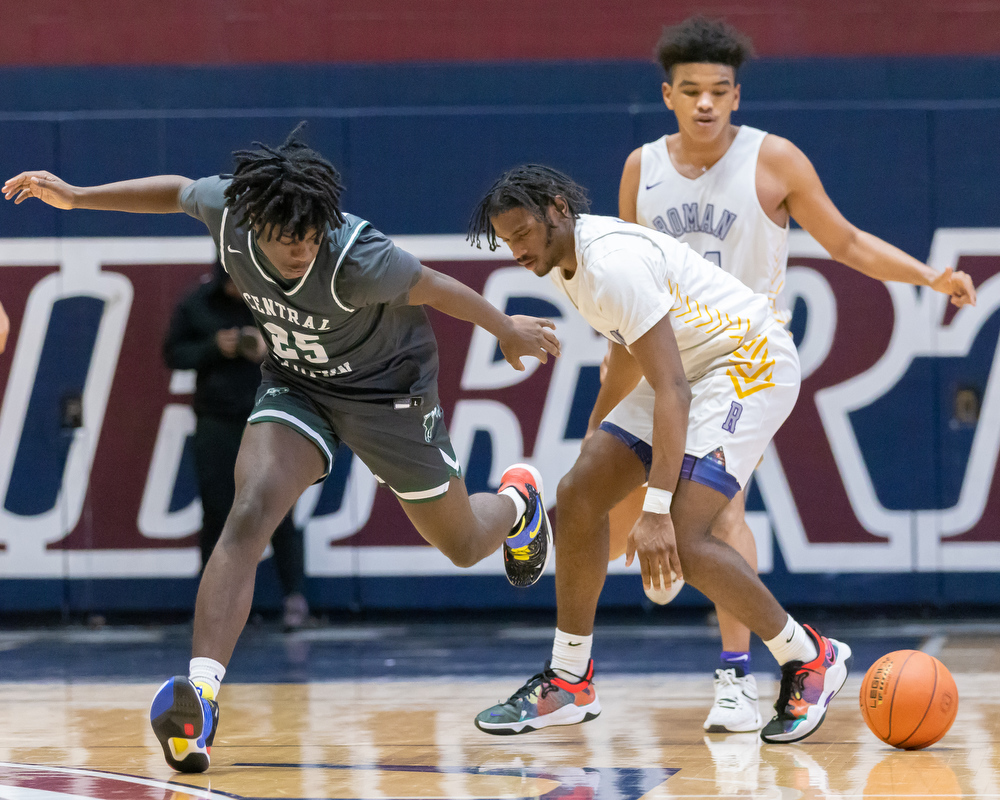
point(713, 567)
point(731, 527)
point(466, 529)
point(289, 562)
point(731, 421)
point(285, 449)
point(275, 465)
point(410, 451)
point(563, 692)
point(735, 709)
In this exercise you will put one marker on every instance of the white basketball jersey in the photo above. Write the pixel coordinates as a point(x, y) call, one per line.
point(629, 277)
point(718, 214)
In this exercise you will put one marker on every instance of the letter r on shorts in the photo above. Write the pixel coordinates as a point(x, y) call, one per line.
point(735, 411)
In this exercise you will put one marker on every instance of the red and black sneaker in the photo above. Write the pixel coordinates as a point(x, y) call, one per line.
point(807, 689)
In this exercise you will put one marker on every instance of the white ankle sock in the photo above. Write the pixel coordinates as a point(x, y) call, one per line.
point(570, 655)
point(206, 674)
point(520, 505)
point(792, 644)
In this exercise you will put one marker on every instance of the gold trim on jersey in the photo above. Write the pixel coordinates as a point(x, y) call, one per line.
point(749, 367)
point(711, 320)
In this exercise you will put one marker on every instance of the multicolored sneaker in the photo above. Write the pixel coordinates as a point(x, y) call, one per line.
point(526, 550)
point(807, 689)
point(546, 699)
point(735, 708)
point(185, 724)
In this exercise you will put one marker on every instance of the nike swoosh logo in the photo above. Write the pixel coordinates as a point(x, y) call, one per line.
point(575, 644)
point(789, 639)
point(743, 658)
point(494, 714)
point(229, 247)
point(652, 185)
point(451, 462)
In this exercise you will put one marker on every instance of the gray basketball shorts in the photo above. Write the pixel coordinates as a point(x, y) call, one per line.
point(404, 443)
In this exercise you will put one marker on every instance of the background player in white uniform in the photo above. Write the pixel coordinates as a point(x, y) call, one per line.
point(729, 191)
point(715, 376)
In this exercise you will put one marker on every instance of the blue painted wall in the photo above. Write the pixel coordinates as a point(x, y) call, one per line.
point(904, 147)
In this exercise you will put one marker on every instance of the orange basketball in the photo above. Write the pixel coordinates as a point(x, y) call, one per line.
point(908, 699)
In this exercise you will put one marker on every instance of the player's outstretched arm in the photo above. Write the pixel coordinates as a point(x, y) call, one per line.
point(810, 206)
point(518, 336)
point(4, 328)
point(159, 194)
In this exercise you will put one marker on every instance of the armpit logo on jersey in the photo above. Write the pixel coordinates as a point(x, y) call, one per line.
point(430, 422)
point(273, 392)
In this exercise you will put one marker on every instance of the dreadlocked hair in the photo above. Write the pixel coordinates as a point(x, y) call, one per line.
point(700, 40)
point(531, 186)
point(287, 190)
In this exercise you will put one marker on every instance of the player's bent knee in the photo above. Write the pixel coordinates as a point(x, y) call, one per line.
point(461, 554)
point(575, 495)
point(254, 515)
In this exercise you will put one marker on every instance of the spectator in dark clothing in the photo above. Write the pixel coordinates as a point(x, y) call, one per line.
point(212, 332)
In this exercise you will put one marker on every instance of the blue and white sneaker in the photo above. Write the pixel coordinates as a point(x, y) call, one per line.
point(526, 550)
point(184, 723)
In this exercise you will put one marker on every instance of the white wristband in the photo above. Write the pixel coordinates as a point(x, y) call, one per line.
point(657, 501)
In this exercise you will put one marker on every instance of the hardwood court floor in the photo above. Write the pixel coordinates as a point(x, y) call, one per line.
point(413, 737)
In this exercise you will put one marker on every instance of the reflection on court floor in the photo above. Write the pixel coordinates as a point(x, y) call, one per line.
point(413, 737)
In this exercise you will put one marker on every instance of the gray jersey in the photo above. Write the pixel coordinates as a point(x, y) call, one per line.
point(342, 329)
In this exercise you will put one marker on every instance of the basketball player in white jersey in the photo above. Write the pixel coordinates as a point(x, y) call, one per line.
point(715, 375)
point(729, 192)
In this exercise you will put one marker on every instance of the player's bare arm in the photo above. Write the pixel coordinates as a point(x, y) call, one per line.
point(518, 336)
point(628, 188)
point(652, 538)
point(158, 194)
point(622, 377)
point(4, 328)
point(784, 169)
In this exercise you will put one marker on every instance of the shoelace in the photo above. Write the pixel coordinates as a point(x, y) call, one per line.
point(728, 688)
point(544, 677)
point(792, 677)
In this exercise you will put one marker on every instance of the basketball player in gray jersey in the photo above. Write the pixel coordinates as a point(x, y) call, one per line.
point(351, 358)
point(729, 192)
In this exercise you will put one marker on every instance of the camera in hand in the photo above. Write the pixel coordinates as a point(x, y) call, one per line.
point(247, 345)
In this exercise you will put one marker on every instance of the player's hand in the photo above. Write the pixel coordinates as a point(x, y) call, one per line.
point(228, 341)
point(4, 328)
point(958, 285)
point(41, 184)
point(652, 540)
point(528, 336)
point(251, 345)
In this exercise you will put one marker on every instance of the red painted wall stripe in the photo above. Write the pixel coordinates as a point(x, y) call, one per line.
point(78, 32)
